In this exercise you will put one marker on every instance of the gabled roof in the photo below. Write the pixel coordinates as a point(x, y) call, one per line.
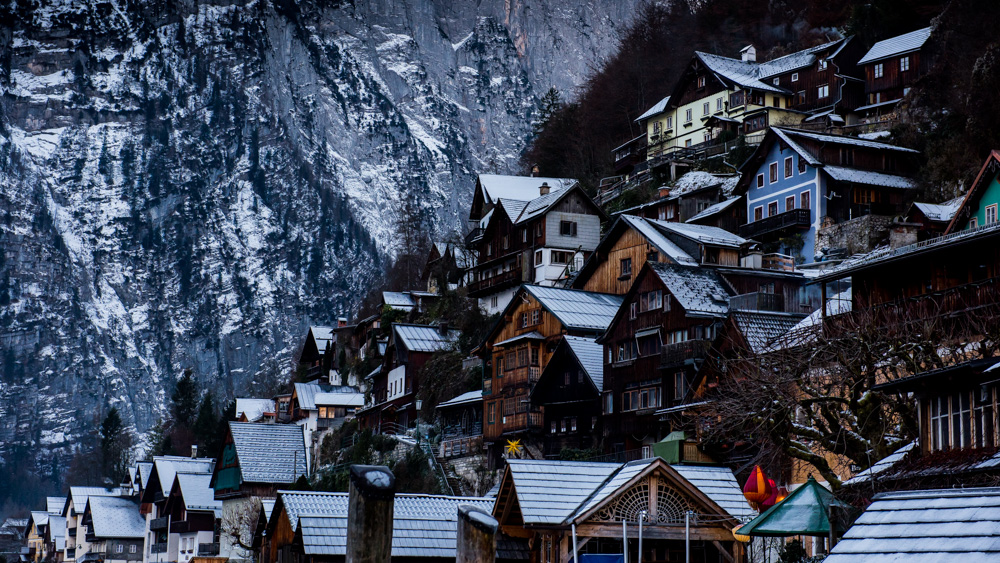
point(116, 517)
point(512, 207)
point(744, 74)
point(648, 229)
point(925, 527)
point(463, 399)
point(143, 470)
point(845, 140)
point(983, 179)
point(699, 291)
point(761, 329)
point(340, 399)
point(719, 484)
point(868, 177)
point(197, 492)
point(398, 300)
point(575, 309)
point(269, 453)
point(797, 60)
point(254, 408)
point(54, 505)
point(590, 355)
point(882, 465)
point(322, 335)
point(38, 518)
point(658, 108)
point(79, 495)
point(424, 338)
point(306, 393)
point(940, 212)
point(524, 188)
point(167, 467)
point(898, 45)
point(702, 234)
point(424, 526)
point(56, 531)
point(714, 209)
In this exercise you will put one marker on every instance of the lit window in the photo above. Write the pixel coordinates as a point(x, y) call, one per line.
point(904, 64)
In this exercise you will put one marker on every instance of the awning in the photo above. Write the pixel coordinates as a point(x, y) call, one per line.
point(533, 335)
point(647, 332)
point(804, 512)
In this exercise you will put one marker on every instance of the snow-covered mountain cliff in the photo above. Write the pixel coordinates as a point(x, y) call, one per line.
point(187, 185)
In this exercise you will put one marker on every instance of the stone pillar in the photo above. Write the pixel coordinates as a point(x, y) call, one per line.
point(477, 542)
point(369, 514)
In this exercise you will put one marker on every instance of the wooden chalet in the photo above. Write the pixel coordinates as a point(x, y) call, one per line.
point(569, 389)
point(632, 241)
point(932, 219)
point(164, 539)
point(194, 516)
point(654, 348)
point(446, 267)
point(395, 386)
point(729, 215)
point(258, 459)
point(115, 530)
point(814, 196)
point(461, 422)
point(518, 349)
point(76, 542)
point(890, 68)
point(317, 357)
point(319, 407)
point(542, 500)
point(534, 232)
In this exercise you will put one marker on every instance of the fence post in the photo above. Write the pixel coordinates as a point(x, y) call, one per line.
point(369, 514)
point(477, 529)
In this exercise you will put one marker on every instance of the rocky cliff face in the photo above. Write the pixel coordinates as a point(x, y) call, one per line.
point(187, 185)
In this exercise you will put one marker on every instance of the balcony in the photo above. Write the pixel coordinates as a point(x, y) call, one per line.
point(504, 280)
point(180, 527)
point(772, 302)
point(473, 238)
point(158, 548)
point(327, 423)
point(159, 523)
point(521, 375)
point(674, 355)
point(208, 549)
point(70, 553)
point(776, 225)
point(462, 446)
point(523, 421)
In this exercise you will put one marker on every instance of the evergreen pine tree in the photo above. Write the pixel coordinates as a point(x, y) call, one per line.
point(185, 400)
point(206, 424)
point(548, 106)
point(116, 447)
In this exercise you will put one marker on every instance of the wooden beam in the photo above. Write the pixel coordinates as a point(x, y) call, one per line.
point(723, 551)
point(659, 532)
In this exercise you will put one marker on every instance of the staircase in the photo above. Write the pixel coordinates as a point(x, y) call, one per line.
point(444, 482)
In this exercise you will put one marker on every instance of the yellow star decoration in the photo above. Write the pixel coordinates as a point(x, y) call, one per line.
point(513, 447)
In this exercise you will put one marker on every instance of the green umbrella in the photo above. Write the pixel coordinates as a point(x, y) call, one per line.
point(804, 512)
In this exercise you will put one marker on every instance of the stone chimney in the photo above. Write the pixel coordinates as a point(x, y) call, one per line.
point(194, 451)
point(544, 189)
point(664, 191)
point(748, 54)
point(341, 322)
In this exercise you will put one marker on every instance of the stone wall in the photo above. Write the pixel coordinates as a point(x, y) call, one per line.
point(858, 235)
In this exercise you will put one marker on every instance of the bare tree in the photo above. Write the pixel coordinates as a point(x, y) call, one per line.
point(811, 396)
point(239, 526)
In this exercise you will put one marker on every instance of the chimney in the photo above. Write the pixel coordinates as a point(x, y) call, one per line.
point(664, 191)
point(748, 54)
point(341, 322)
point(194, 451)
point(534, 170)
point(544, 189)
point(443, 328)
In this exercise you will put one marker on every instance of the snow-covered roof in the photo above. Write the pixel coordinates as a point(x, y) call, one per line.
point(898, 45)
point(144, 470)
point(720, 485)
point(713, 209)
point(57, 529)
point(398, 300)
point(340, 399)
point(699, 179)
point(253, 408)
point(424, 526)
point(745, 74)
point(845, 140)
point(80, 495)
point(38, 518)
point(940, 212)
point(926, 526)
point(762, 328)
point(168, 466)
point(306, 393)
point(591, 358)
point(198, 494)
point(657, 108)
point(322, 335)
point(662, 244)
point(879, 105)
point(804, 331)
point(699, 291)
point(513, 207)
point(575, 309)
point(704, 234)
point(423, 338)
point(116, 517)
point(797, 60)
point(523, 188)
point(868, 177)
point(463, 399)
point(268, 505)
point(54, 505)
point(540, 205)
point(882, 465)
point(269, 453)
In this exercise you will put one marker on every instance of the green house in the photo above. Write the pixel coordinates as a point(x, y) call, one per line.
point(979, 208)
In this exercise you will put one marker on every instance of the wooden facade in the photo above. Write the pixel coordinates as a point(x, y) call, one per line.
point(894, 82)
point(571, 404)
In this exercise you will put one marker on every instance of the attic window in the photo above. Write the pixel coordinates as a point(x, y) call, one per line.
point(776, 80)
point(701, 81)
point(821, 65)
point(795, 77)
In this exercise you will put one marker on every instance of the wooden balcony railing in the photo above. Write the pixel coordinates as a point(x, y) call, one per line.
point(673, 355)
point(773, 302)
point(498, 282)
point(521, 375)
point(523, 421)
point(776, 224)
point(460, 446)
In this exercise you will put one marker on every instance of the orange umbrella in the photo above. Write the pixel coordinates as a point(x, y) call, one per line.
point(758, 488)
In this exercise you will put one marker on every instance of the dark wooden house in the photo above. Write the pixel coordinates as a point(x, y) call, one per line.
point(259, 459)
point(890, 69)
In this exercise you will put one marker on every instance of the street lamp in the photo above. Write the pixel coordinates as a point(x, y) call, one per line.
point(418, 403)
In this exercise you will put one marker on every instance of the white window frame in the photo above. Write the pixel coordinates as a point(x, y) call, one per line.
point(904, 63)
point(823, 91)
point(821, 65)
point(688, 115)
point(878, 70)
point(760, 180)
point(795, 77)
point(990, 214)
point(789, 167)
point(718, 104)
point(706, 108)
point(790, 203)
point(670, 122)
point(776, 81)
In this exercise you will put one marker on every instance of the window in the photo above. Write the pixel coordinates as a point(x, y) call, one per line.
point(680, 386)
point(493, 301)
point(651, 301)
point(688, 115)
point(492, 415)
point(538, 229)
point(524, 320)
point(670, 122)
point(878, 70)
point(506, 242)
point(705, 108)
point(804, 202)
point(567, 228)
point(562, 257)
point(795, 77)
point(649, 345)
point(772, 172)
point(821, 65)
point(538, 257)
point(687, 143)
point(802, 165)
point(904, 64)
point(524, 235)
point(656, 128)
point(666, 302)
point(132, 548)
point(789, 203)
point(707, 136)
point(823, 91)
point(974, 223)
point(800, 97)
point(961, 418)
point(718, 104)
point(772, 209)
point(626, 267)
point(609, 402)
point(758, 213)
point(760, 180)
point(755, 123)
point(788, 167)
point(906, 91)
point(626, 351)
point(701, 81)
point(536, 316)
point(736, 99)
point(776, 102)
point(991, 214)
point(119, 548)
point(776, 81)
point(633, 310)
point(847, 156)
point(677, 336)
point(983, 418)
